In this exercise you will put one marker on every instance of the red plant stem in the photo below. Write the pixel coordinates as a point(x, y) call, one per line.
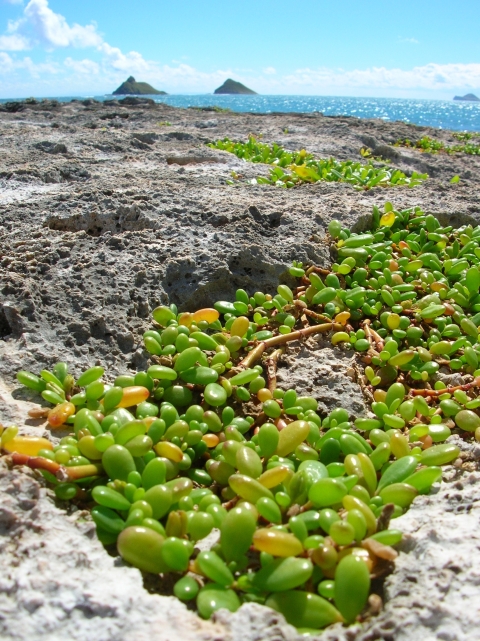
point(373, 336)
point(77, 472)
point(282, 339)
point(62, 473)
point(445, 390)
point(271, 363)
point(317, 270)
point(35, 462)
point(252, 357)
point(302, 333)
point(309, 312)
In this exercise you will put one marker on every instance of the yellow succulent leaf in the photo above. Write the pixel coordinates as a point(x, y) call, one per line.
point(305, 173)
point(387, 219)
point(207, 314)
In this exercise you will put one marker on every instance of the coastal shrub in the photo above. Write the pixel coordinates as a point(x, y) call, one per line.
point(465, 135)
point(255, 151)
point(366, 152)
point(294, 168)
point(215, 108)
point(304, 501)
point(432, 146)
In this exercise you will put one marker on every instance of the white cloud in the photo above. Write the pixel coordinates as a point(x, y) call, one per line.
point(36, 69)
point(428, 77)
point(132, 62)
point(82, 66)
point(87, 75)
point(412, 41)
point(53, 30)
point(269, 71)
point(184, 71)
point(14, 42)
point(8, 65)
point(186, 78)
point(40, 25)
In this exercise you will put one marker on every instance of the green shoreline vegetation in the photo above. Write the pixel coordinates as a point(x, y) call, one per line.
point(432, 146)
point(305, 503)
point(215, 108)
point(296, 168)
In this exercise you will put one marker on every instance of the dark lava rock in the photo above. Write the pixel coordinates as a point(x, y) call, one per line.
point(51, 147)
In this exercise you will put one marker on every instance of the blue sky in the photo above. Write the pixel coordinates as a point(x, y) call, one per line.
point(418, 49)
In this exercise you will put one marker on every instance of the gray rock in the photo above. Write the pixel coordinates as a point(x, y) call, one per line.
point(369, 141)
point(206, 124)
point(380, 149)
point(52, 147)
point(177, 135)
point(148, 138)
point(316, 369)
point(10, 321)
point(196, 156)
point(387, 152)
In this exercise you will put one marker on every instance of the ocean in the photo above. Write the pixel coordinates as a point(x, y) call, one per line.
point(444, 114)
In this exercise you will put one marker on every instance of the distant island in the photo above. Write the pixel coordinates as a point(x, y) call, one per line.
point(133, 88)
point(233, 87)
point(468, 96)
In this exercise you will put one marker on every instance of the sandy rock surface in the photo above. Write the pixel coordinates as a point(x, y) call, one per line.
point(106, 211)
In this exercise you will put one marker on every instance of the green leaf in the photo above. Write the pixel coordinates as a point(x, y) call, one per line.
point(472, 280)
point(455, 179)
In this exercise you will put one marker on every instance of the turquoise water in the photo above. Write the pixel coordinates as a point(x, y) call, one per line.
point(456, 115)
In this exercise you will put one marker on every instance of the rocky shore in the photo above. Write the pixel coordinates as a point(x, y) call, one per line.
point(110, 209)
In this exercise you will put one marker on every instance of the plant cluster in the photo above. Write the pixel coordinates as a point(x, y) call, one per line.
point(295, 168)
point(432, 146)
point(366, 152)
point(204, 439)
point(215, 108)
point(465, 136)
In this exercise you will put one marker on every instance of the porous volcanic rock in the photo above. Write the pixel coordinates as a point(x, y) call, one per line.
point(106, 211)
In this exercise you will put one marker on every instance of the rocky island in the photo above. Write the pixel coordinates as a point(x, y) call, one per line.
point(469, 96)
point(133, 88)
point(108, 210)
point(233, 87)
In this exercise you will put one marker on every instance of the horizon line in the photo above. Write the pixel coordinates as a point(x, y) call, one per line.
point(249, 96)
